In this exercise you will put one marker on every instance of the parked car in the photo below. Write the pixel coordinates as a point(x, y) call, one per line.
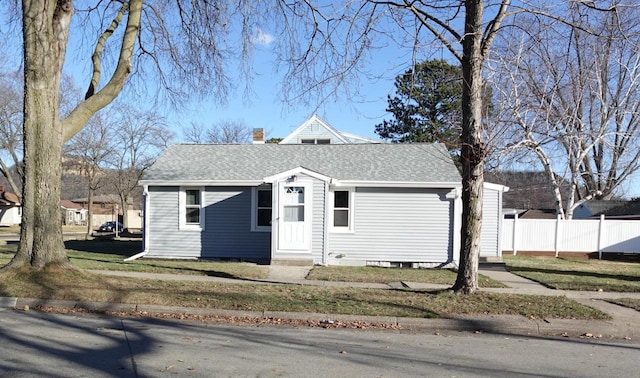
point(111, 227)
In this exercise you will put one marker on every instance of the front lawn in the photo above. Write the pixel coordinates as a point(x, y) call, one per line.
point(78, 285)
point(110, 254)
point(387, 275)
point(577, 274)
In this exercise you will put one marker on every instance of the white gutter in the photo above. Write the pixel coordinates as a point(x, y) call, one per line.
point(396, 184)
point(201, 182)
point(145, 226)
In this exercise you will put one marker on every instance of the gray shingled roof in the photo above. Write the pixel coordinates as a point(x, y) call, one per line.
point(347, 162)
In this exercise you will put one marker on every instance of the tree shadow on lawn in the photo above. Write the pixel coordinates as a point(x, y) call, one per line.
point(127, 248)
point(113, 247)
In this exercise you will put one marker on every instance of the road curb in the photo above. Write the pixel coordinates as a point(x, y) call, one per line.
point(494, 324)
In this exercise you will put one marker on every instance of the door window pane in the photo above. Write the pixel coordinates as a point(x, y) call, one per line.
point(294, 213)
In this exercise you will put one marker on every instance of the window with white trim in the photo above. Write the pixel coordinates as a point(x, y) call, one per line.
point(191, 209)
point(342, 212)
point(315, 141)
point(261, 208)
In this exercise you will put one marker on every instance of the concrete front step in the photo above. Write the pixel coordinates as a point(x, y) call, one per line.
point(292, 262)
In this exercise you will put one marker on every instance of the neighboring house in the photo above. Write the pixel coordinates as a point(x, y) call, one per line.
point(336, 204)
point(316, 131)
point(73, 213)
point(105, 208)
point(613, 209)
point(529, 213)
point(10, 208)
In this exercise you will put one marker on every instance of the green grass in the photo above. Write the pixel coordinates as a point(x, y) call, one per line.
point(110, 254)
point(386, 275)
point(578, 274)
point(15, 229)
point(78, 285)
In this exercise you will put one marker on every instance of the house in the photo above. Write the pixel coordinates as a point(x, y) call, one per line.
point(611, 209)
point(10, 208)
point(105, 208)
point(73, 213)
point(316, 131)
point(332, 204)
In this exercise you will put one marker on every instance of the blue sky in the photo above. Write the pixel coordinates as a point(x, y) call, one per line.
point(358, 113)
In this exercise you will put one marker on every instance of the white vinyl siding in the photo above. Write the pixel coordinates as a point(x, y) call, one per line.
point(491, 217)
point(319, 218)
point(316, 132)
point(228, 226)
point(403, 225)
point(165, 237)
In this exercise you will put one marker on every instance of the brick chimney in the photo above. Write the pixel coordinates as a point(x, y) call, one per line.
point(258, 136)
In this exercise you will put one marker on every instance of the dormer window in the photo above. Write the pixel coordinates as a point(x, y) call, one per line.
point(315, 141)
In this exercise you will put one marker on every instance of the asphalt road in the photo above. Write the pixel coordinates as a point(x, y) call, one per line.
point(35, 344)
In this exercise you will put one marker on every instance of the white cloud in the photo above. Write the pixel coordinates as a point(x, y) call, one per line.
point(263, 38)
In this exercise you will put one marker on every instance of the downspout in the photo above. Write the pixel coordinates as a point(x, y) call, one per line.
point(325, 233)
point(455, 195)
point(145, 226)
point(500, 221)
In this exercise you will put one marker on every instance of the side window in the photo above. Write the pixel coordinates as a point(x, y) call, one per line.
point(192, 206)
point(342, 210)
point(191, 209)
point(261, 209)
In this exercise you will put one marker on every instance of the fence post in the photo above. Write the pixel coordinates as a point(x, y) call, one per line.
point(513, 239)
point(557, 235)
point(600, 230)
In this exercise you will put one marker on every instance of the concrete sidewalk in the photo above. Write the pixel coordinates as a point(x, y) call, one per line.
point(624, 324)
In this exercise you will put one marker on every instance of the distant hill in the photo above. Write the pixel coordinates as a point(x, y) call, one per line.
point(527, 190)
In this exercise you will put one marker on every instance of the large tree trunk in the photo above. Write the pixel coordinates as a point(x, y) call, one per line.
point(45, 33)
point(473, 149)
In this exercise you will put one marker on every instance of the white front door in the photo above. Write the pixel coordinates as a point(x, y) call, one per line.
point(294, 225)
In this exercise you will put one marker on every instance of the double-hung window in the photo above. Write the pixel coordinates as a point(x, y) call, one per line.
point(342, 211)
point(262, 209)
point(191, 209)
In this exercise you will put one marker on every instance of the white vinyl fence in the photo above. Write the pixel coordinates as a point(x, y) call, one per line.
point(578, 235)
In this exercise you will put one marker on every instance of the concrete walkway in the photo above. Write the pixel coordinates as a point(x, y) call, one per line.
point(624, 324)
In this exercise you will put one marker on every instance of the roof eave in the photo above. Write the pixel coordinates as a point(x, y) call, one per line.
point(201, 182)
point(397, 184)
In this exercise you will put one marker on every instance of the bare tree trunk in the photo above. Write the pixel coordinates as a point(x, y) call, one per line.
point(90, 213)
point(473, 149)
point(45, 36)
point(125, 212)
